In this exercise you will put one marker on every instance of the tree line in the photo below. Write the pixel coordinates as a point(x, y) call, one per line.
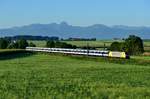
point(22, 44)
point(133, 45)
point(58, 44)
point(15, 44)
point(29, 37)
point(79, 39)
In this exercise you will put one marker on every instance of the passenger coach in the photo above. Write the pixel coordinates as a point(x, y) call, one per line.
point(80, 52)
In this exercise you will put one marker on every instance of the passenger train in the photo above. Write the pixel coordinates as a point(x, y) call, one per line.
point(80, 52)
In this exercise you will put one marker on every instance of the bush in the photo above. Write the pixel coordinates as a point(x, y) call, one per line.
point(134, 45)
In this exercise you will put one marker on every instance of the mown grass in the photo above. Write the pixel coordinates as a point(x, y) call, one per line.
point(54, 76)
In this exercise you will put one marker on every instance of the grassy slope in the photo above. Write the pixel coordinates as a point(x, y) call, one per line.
point(52, 76)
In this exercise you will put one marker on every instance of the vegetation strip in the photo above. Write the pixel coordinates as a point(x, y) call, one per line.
point(132, 61)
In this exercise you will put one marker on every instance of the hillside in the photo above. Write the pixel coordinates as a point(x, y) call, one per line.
point(64, 30)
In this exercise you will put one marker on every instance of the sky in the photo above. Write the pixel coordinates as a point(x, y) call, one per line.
point(75, 12)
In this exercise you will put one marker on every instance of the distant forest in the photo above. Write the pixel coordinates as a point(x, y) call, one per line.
point(53, 38)
point(29, 37)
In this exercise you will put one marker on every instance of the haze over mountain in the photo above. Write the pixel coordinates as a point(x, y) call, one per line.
point(64, 30)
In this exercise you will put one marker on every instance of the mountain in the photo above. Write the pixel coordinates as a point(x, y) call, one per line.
point(64, 30)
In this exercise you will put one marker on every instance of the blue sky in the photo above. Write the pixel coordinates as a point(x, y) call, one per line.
point(75, 12)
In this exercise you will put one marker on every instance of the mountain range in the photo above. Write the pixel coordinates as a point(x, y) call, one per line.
point(64, 30)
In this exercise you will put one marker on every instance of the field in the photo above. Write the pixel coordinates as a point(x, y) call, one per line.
point(98, 44)
point(54, 76)
point(38, 43)
point(141, 57)
point(147, 43)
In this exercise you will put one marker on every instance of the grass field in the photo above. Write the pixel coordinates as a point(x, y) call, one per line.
point(38, 43)
point(79, 43)
point(141, 57)
point(91, 43)
point(99, 43)
point(43, 76)
point(147, 43)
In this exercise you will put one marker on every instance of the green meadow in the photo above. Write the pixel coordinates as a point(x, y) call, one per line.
point(27, 75)
point(98, 44)
point(57, 76)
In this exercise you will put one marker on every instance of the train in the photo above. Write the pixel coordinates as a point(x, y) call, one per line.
point(99, 53)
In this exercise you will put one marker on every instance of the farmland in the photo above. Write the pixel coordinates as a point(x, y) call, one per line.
point(38, 76)
point(98, 44)
point(27, 75)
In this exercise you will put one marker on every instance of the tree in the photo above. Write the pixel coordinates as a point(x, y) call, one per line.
point(50, 44)
point(115, 46)
point(22, 44)
point(3, 43)
point(32, 44)
point(134, 45)
point(63, 45)
point(13, 45)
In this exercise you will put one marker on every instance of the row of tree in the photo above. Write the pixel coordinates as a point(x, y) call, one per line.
point(30, 37)
point(133, 45)
point(22, 44)
point(18, 44)
point(79, 39)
